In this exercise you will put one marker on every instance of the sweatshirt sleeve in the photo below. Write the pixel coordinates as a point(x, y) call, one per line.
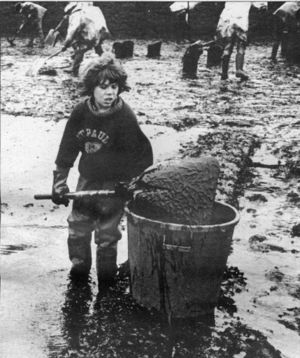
point(134, 147)
point(69, 147)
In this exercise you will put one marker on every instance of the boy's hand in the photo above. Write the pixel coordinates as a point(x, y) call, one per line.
point(58, 198)
point(121, 190)
point(60, 187)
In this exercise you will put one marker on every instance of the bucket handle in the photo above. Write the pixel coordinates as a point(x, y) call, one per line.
point(175, 247)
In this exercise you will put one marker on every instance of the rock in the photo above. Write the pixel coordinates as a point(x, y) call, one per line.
point(296, 230)
point(251, 210)
point(256, 243)
point(257, 238)
point(257, 197)
point(272, 247)
point(293, 197)
point(47, 70)
point(4, 206)
point(275, 275)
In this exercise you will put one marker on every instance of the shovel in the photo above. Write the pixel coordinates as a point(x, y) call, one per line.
point(79, 194)
point(11, 40)
point(51, 38)
point(125, 191)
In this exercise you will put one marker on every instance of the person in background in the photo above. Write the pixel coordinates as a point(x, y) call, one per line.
point(87, 29)
point(104, 129)
point(232, 30)
point(182, 11)
point(286, 19)
point(182, 24)
point(32, 15)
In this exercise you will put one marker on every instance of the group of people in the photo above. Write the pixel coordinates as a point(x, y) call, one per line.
point(233, 25)
point(87, 28)
point(104, 130)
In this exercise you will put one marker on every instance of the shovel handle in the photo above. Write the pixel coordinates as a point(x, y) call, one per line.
point(59, 51)
point(60, 23)
point(79, 194)
point(42, 196)
point(205, 44)
point(54, 54)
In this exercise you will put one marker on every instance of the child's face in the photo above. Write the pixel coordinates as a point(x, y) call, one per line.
point(105, 94)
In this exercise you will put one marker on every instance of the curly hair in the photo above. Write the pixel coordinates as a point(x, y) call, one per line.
point(99, 70)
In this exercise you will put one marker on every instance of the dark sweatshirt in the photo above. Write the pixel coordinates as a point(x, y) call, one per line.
point(112, 145)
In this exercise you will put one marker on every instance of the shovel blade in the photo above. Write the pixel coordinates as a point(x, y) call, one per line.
point(50, 39)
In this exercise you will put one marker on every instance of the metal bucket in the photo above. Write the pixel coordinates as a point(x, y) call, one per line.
point(177, 268)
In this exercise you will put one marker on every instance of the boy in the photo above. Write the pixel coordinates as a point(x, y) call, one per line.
point(32, 14)
point(232, 30)
point(87, 29)
point(113, 149)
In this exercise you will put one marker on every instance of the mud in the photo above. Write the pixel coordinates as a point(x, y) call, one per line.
point(296, 230)
point(46, 315)
point(180, 192)
point(233, 149)
point(112, 324)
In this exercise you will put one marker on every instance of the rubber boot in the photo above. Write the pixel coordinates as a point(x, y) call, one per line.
point(78, 57)
point(106, 264)
point(41, 37)
point(225, 66)
point(284, 44)
point(274, 51)
point(80, 256)
point(239, 61)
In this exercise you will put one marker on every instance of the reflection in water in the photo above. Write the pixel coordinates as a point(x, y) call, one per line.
point(111, 324)
point(186, 335)
point(132, 330)
point(75, 313)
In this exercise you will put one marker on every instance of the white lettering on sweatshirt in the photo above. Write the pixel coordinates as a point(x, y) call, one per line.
point(92, 147)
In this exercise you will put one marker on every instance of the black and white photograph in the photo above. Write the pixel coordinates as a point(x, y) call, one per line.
point(150, 179)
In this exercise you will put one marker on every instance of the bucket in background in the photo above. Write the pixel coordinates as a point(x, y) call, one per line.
point(176, 268)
